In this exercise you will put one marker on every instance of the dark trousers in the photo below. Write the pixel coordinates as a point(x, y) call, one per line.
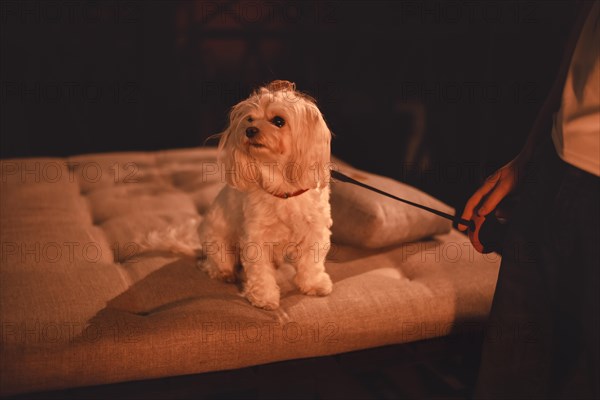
point(542, 335)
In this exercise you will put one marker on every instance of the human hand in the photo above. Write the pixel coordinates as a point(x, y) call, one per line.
point(495, 188)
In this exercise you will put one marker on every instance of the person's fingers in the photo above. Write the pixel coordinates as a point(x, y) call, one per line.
point(466, 214)
point(494, 198)
point(462, 227)
point(490, 194)
point(468, 210)
point(475, 200)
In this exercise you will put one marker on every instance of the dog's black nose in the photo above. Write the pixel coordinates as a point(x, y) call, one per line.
point(251, 131)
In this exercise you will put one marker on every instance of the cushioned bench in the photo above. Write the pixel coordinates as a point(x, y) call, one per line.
point(81, 305)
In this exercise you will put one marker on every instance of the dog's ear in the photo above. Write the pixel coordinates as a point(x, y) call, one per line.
point(312, 148)
point(237, 170)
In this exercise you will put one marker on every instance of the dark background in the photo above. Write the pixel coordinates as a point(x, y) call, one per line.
point(437, 94)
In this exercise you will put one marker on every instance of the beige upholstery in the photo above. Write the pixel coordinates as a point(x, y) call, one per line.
point(378, 221)
point(79, 306)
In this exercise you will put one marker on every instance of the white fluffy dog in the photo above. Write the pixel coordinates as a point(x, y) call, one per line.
point(275, 209)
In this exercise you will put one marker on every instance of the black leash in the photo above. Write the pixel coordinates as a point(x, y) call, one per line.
point(457, 220)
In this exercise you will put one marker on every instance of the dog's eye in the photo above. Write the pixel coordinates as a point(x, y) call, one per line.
point(278, 121)
point(249, 119)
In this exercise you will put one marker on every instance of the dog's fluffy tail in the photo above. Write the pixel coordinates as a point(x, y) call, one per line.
point(181, 239)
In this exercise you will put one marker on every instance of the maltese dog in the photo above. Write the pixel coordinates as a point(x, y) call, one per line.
point(274, 210)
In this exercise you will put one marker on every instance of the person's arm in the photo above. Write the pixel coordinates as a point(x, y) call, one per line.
point(505, 180)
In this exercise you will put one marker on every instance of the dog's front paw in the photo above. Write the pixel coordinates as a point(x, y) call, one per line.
point(209, 266)
point(262, 296)
point(268, 301)
point(318, 285)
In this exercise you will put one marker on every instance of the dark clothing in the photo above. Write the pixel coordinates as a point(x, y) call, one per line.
point(542, 336)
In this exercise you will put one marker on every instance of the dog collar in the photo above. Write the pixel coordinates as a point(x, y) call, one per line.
point(287, 195)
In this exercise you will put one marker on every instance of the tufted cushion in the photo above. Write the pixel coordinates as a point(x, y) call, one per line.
point(79, 305)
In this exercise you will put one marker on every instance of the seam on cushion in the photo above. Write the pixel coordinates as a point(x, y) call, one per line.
point(126, 272)
point(159, 167)
point(123, 266)
point(158, 155)
point(122, 272)
point(83, 196)
point(166, 178)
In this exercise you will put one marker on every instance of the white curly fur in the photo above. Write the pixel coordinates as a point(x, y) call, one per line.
point(248, 223)
point(179, 239)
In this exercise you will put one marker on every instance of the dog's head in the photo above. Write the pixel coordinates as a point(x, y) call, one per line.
point(276, 130)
